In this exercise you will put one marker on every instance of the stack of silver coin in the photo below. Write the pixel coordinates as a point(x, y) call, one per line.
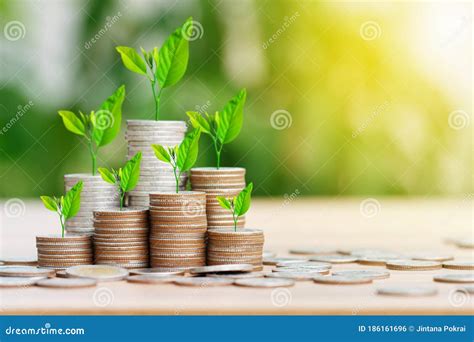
point(226, 182)
point(155, 175)
point(96, 194)
point(59, 252)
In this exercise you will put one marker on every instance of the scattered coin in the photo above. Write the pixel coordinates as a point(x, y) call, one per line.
point(374, 261)
point(203, 281)
point(160, 271)
point(25, 271)
point(413, 265)
point(67, 283)
point(307, 264)
point(334, 258)
point(98, 272)
point(281, 261)
point(341, 280)
point(459, 265)
point(313, 250)
point(291, 275)
point(18, 281)
point(61, 274)
point(222, 268)
point(407, 291)
point(455, 278)
point(431, 256)
point(265, 282)
point(301, 270)
point(372, 274)
point(19, 262)
point(237, 275)
point(150, 279)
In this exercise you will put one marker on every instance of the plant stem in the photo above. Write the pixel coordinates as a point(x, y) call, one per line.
point(93, 156)
point(176, 177)
point(157, 103)
point(62, 225)
point(218, 152)
point(235, 220)
point(122, 197)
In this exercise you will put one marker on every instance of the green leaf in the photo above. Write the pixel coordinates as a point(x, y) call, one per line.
point(132, 60)
point(229, 121)
point(73, 123)
point(109, 116)
point(107, 175)
point(156, 56)
point(242, 201)
point(161, 153)
point(188, 150)
point(173, 57)
point(49, 203)
point(130, 173)
point(224, 202)
point(198, 121)
point(72, 201)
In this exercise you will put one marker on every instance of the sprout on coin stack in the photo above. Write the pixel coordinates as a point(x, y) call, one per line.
point(61, 251)
point(233, 246)
point(98, 129)
point(222, 127)
point(163, 67)
point(178, 218)
point(121, 235)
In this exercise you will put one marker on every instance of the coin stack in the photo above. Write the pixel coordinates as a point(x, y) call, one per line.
point(226, 246)
point(96, 194)
point(60, 252)
point(155, 175)
point(225, 181)
point(121, 237)
point(178, 229)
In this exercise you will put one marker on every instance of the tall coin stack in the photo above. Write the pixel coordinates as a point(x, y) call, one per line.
point(178, 229)
point(96, 194)
point(225, 181)
point(226, 246)
point(62, 252)
point(121, 237)
point(155, 175)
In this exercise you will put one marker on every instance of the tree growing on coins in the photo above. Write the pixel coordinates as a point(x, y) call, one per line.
point(239, 204)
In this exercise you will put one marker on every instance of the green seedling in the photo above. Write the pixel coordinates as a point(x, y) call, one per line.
point(239, 204)
point(65, 206)
point(100, 127)
point(125, 178)
point(224, 126)
point(163, 67)
point(182, 157)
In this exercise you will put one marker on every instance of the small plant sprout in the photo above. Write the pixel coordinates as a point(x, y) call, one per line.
point(224, 126)
point(66, 206)
point(182, 157)
point(163, 67)
point(100, 127)
point(125, 178)
point(238, 205)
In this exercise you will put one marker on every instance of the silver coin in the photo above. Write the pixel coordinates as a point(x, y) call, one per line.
point(302, 270)
point(67, 283)
point(157, 272)
point(24, 271)
point(334, 258)
point(291, 275)
point(237, 275)
point(18, 281)
point(19, 261)
point(203, 281)
point(459, 264)
point(455, 278)
point(151, 279)
point(265, 282)
point(315, 265)
point(413, 265)
point(286, 261)
point(407, 291)
point(222, 269)
point(340, 280)
point(313, 250)
point(425, 256)
point(98, 272)
point(372, 274)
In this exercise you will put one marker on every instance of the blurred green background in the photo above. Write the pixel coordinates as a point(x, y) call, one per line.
point(344, 98)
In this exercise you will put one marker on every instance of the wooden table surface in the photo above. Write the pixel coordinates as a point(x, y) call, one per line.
point(397, 224)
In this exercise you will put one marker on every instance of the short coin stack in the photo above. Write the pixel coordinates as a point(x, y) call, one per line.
point(61, 252)
point(96, 194)
point(225, 181)
point(121, 237)
point(245, 246)
point(155, 176)
point(178, 229)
